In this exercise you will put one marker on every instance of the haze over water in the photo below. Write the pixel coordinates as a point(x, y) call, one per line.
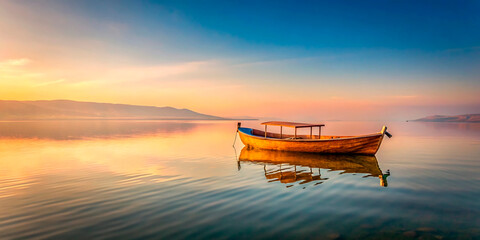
point(170, 179)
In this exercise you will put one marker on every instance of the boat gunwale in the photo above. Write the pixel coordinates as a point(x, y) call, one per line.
point(379, 134)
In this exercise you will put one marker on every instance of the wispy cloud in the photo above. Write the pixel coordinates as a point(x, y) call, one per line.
point(49, 83)
point(461, 50)
point(15, 62)
point(289, 60)
point(17, 69)
point(159, 71)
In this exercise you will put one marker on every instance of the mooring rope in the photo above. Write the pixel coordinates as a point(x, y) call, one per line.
point(235, 140)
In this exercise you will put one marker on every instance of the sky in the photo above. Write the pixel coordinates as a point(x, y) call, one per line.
point(296, 60)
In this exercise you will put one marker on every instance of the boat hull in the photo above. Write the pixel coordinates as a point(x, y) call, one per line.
point(367, 144)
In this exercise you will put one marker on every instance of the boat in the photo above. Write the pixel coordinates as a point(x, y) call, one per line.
point(290, 167)
point(257, 139)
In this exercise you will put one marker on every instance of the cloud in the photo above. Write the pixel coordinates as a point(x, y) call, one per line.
point(11, 68)
point(156, 72)
point(461, 50)
point(16, 62)
point(50, 83)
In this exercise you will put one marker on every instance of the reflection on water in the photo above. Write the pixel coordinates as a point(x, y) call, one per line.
point(62, 130)
point(453, 127)
point(180, 180)
point(292, 167)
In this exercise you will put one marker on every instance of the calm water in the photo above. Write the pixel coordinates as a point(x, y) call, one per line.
point(177, 180)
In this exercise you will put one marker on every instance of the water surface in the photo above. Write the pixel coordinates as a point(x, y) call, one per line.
point(165, 179)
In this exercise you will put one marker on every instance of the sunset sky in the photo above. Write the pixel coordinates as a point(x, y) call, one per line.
point(347, 60)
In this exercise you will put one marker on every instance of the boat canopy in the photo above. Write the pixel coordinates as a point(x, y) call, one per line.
point(293, 125)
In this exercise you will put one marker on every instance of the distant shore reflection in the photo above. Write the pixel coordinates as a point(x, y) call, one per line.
point(71, 130)
point(291, 167)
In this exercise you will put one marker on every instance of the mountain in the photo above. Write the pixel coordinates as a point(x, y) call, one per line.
point(66, 109)
point(469, 118)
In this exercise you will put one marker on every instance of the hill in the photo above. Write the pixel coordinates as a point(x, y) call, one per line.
point(66, 109)
point(470, 118)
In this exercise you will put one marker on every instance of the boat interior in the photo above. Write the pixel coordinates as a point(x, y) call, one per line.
point(260, 133)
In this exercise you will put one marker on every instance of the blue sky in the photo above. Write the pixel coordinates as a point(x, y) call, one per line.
point(297, 27)
point(419, 37)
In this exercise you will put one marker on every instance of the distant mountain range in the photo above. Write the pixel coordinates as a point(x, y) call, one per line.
point(66, 109)
point(469, 118)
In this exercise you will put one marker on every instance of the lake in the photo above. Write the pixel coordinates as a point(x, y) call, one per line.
point(184, 180)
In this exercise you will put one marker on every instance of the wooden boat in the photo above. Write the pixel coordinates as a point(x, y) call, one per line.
point(290, 167)
point(364, 144)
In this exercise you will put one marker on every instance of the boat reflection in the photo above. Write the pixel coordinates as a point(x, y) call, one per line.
point(291, 167)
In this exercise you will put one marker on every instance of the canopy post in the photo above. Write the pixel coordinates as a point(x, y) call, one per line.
point(319, 132)
point(311, 132)
point(281, 132)
point(265, 131)
point(295, 132)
